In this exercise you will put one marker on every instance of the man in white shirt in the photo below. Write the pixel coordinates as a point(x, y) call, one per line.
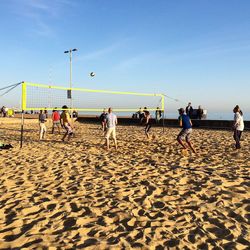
point(111, 121)
point(238, 125)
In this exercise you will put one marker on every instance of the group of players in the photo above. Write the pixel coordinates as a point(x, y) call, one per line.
point(184, 137)
point(109, 123)
point(59, 120)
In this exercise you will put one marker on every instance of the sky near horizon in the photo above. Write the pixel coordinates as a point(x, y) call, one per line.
point(194, 50)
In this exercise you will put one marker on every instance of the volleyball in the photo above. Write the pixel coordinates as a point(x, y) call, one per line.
point(92, 74)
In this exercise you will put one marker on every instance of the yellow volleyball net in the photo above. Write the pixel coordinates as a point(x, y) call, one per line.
point(40, 96)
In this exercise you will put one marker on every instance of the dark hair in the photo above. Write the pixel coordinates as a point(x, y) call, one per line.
point(237, 109)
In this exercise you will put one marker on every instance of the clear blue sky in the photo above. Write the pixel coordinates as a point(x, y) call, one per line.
point(195, 50)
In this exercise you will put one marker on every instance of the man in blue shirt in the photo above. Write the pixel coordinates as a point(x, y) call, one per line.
point(186, 131)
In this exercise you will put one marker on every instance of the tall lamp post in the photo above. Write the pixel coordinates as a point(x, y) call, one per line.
point(70, 75)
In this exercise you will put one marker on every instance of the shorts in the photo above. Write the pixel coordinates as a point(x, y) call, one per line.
point(68, 129)
point(110, 132)
point(56, 123)
point(185, 134)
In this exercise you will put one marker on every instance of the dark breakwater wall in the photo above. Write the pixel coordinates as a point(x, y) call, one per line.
point(206, 124)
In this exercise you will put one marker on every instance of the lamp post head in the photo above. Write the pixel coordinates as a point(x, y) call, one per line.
point(74, 49)
point(66, 51)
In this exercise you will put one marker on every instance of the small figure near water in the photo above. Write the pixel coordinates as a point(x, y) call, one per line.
point(189, 109)
point(238, 125)
point(158, 115)
point(199, 112)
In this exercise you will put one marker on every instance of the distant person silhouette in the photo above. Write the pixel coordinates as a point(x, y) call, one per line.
point(189, 109)
point(199, 112)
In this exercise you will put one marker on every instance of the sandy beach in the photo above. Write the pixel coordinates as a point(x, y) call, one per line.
point(145, 195)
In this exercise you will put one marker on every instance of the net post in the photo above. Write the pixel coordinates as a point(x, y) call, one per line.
point(24, 95)
point(22, 124)
point(163, 122)
point(163, 110)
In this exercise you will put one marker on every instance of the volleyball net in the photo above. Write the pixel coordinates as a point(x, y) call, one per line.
point(40, 96)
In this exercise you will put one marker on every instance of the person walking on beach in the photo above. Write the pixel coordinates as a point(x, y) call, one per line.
point(186, 124)
point(158, 115)
point(148, 122)
point(65, 122)
point(238, 125)
point(55, 121)
point(111, 121)
point(103, 119)
point(42, 120)
point(189, 109)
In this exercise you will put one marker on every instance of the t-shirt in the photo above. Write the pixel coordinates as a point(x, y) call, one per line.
point(103, 116)
point(55, 116)
point(186, 124)
point(111, 120)
point(42, 118)
point(65, 117)
point(238, 120)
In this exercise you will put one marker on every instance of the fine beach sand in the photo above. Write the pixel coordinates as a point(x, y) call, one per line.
point(146, 195)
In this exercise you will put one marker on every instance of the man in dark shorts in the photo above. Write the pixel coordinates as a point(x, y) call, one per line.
point(186, 131)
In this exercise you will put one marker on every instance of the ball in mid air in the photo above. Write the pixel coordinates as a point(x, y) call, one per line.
point(92, 74)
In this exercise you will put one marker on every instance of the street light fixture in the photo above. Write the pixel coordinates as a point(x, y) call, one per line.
point(70, 76)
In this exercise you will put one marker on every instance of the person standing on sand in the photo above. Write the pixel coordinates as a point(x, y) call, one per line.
point(42, 120)
point(65, 122)
point(111, 121)
point(238, 125)
point(186, 124)
point(158, 114)
point(102, 119)
point(55, 120)
point(189, 109)
point(148, 122)
point(199, 112)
